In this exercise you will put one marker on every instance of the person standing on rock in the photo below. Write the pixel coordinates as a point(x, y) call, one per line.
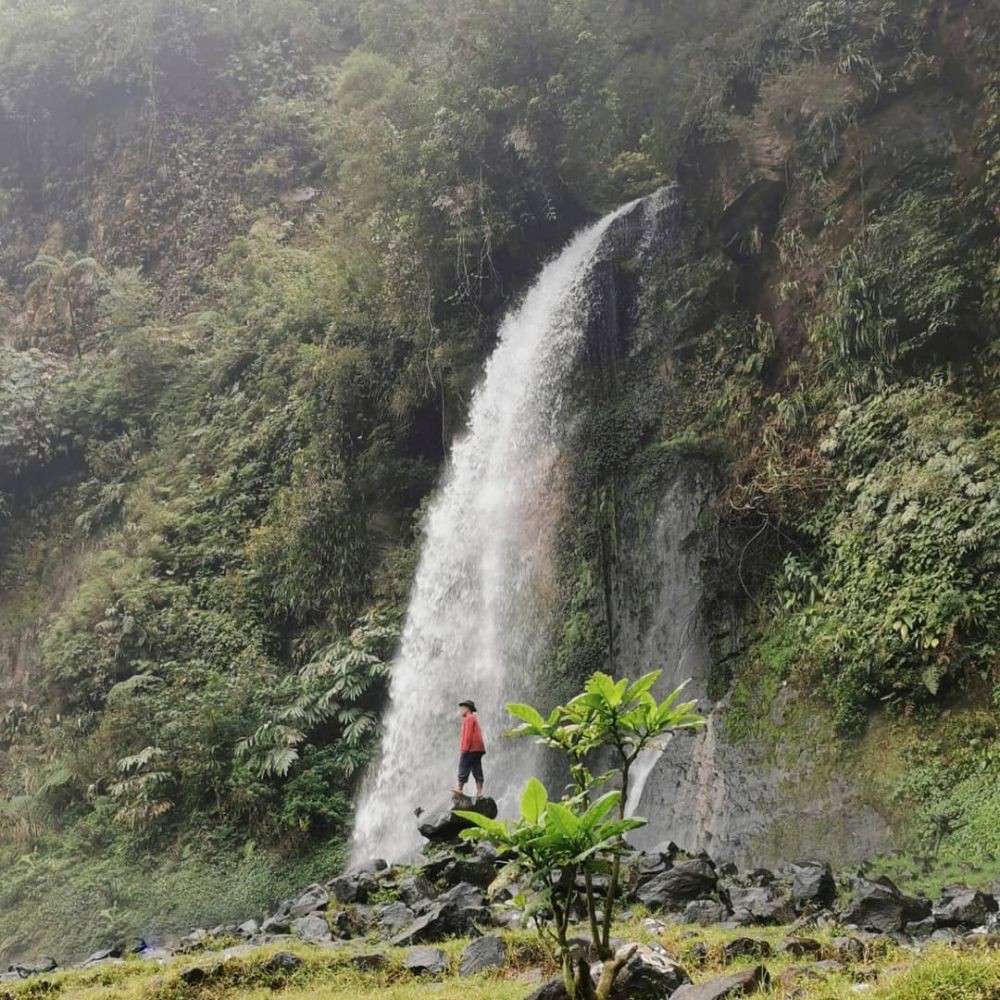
point(471, 750)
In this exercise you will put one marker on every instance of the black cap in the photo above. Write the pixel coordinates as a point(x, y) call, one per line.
point(468, 704)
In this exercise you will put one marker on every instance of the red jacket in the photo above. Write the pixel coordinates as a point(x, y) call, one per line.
point(472, 736)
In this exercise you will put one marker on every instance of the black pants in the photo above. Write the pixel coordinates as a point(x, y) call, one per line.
point(470, 761)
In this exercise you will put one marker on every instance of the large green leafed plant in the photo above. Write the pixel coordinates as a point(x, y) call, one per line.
point(556, 849)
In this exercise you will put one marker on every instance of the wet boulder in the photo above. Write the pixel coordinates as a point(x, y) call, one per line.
point(456, 912)
point(469, 902)
point(441, 823)
point(475, 870)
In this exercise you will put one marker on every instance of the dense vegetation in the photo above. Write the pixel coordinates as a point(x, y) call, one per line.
point(252, 255)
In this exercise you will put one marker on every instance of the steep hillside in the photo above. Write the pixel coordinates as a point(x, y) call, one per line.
point(252, 257)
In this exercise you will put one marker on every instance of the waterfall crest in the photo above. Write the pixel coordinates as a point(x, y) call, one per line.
point(476, 623)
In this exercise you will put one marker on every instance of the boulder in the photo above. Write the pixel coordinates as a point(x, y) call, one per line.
point(194, 974)
point(705, 912)
point(394, 916)
point(101, 955)
point(353, 887)
point(488, 952)
point(415, 889)
point(312, 927)
point(920, 930)
point(880, 906)
point(441, 824)
point(370, 961)
point(552, 989)
point(649, 974)
point(677, 886)
point(760, 877)
point(849, 949)
point(760, 905)
point(193, 941)
point(440, 921)
point(798, 947)
point(283, 961)
point(746, 947)
point(311, 899)
point(648, 866)
point(248, 929)
point(812, 882)
point(962, 907)
point(475, 871)
point(277, 924)
point(469, 902)
point(36, 968)
point(738, 984)
point(426, 961)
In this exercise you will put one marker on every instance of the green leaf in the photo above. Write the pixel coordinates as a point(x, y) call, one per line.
point(493, 827)
point(526, 714)
point(533, 801)
point(562, 819)
point(643, 685)
point(600, 809)
point(603, 686)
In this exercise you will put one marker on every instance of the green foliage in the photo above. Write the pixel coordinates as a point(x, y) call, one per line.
point(553, 844)
point(901, 599)
point(31, 429)
point(906, 288)
point(550, 846)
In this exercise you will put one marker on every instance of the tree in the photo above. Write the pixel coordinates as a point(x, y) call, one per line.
point(554, 847)
point(65, 281)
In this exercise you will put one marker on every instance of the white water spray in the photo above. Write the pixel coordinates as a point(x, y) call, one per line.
point(476, 624)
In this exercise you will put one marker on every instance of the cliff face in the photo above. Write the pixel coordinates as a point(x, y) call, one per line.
point(798, 330)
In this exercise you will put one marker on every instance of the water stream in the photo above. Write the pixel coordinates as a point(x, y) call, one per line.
point(477, 620)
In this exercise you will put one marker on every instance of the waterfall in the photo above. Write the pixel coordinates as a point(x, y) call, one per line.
point(477, 620)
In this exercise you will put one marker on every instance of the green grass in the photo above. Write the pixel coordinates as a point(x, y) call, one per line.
point(67, 904)
point(327, 973)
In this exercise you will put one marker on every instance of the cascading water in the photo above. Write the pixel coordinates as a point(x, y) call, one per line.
point(476, 624)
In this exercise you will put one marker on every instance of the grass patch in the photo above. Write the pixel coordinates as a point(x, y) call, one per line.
point(332, 973)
